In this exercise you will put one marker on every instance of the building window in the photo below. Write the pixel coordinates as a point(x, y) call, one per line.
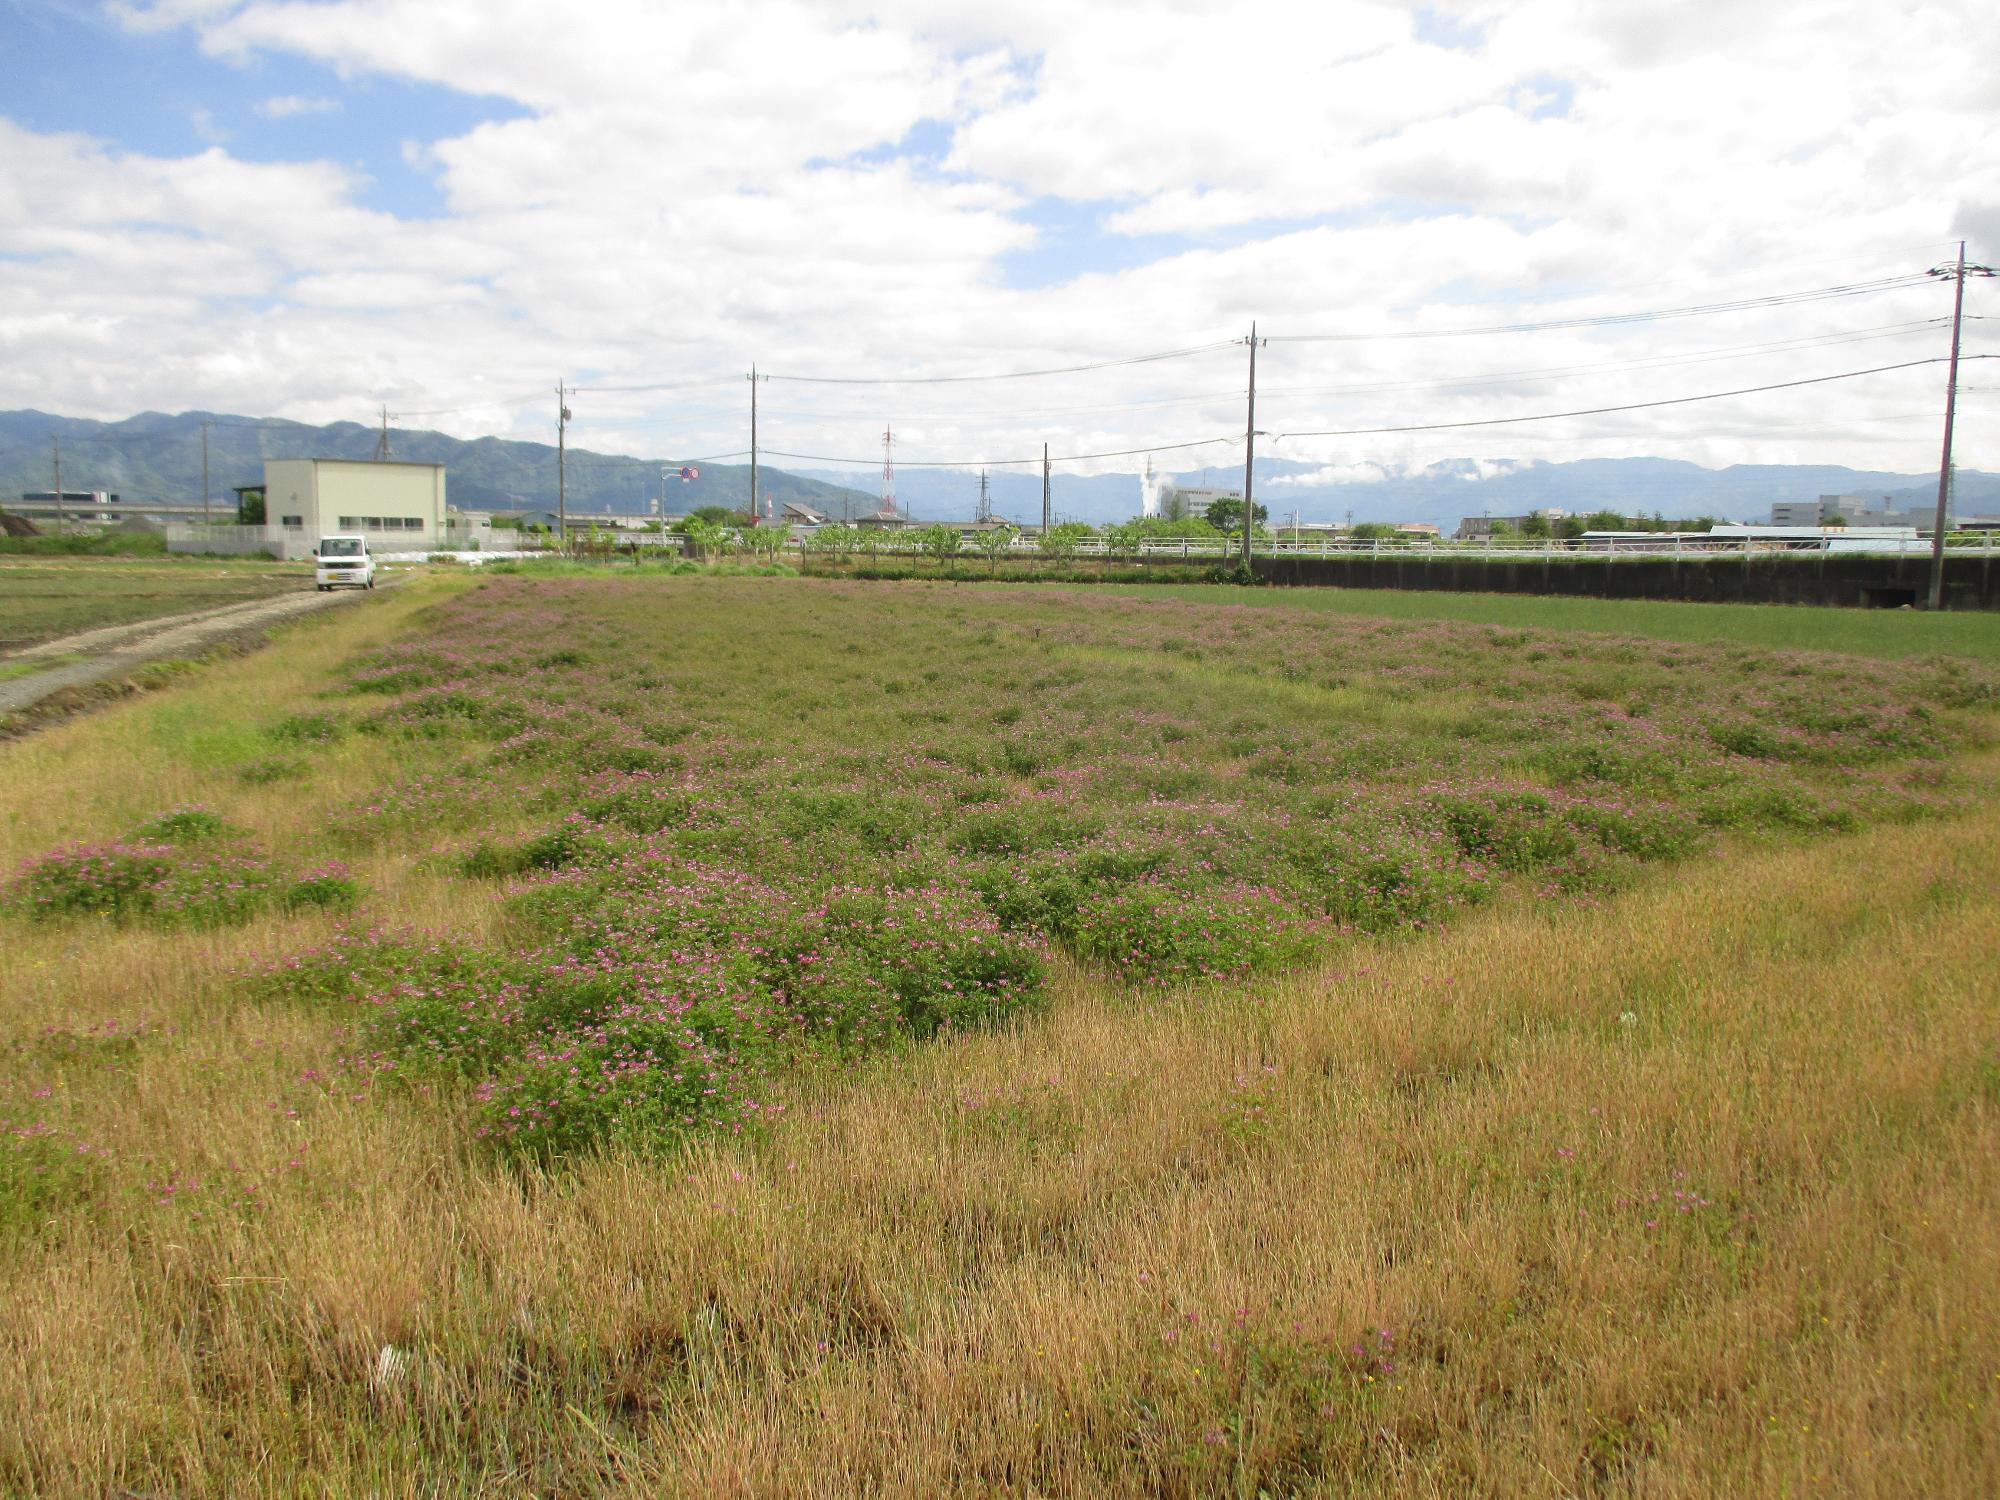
point(350, 523)
point(295, 523)
point(413, 523)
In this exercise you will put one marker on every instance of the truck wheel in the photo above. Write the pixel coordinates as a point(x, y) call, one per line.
point(371, 583)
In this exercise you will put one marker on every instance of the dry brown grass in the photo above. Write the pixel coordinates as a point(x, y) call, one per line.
point(1128, 1249)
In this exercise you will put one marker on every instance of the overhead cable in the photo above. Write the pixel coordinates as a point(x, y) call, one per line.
point(1594, 411)
point(1102, 364)
point(1003, 463)
point(1599, 320)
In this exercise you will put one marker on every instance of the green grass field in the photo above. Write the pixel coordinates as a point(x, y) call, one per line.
point(1883, 633)
point(44, 598)
point(628, 1034)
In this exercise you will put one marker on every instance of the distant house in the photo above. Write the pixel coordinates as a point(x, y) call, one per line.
point(797, 513)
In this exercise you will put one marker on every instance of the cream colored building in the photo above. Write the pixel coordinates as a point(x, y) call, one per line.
point(390, 503)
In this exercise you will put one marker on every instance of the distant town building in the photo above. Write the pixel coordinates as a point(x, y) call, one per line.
point(1480, 528)
point(1199, 500)
point(1852, 510)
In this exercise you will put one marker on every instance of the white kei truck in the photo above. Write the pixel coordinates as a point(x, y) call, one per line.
point(343, 561)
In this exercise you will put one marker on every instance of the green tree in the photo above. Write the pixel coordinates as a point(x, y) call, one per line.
point(1569, 528)
point(1061, 541)
point(768, 541)
point(837, 539)
point(1226, 514)
point(1376, 531)
point(707, 537)
point(1502, 530)
point(1606, 520)
point(1836, 519)
point(250, 508)
point(940, 541)
point(1536, 527)
point(994, 543)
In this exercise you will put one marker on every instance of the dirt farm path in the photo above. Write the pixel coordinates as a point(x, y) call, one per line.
point(93, 656)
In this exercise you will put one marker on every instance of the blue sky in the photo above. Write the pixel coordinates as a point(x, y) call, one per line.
point(73, 67)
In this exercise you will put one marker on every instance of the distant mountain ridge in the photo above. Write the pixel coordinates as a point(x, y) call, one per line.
point(1445, 492)
point(156, 456)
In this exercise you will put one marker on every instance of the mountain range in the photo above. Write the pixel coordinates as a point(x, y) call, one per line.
point(1443, 493)
point(155, 456)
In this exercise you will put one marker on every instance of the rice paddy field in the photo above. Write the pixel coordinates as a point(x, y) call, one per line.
point(636, 1035)
point(42, 598)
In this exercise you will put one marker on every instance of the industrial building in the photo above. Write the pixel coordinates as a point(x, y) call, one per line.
point(381, 499)
point(1854, 510)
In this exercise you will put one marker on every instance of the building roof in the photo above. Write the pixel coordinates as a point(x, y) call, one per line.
point(386, 463)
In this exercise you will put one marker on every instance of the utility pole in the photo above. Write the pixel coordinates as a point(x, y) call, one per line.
point(55, 447)
point(206, 519)
point(1045, 489)
point(562, 462)
point(985, 514)
point(1957, 272)
point(1250, 452)
point(382, 444)
point(753, 443)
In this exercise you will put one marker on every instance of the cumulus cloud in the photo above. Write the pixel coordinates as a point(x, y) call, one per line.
point(679, 192)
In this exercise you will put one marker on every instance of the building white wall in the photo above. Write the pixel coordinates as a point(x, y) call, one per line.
point(391, 502)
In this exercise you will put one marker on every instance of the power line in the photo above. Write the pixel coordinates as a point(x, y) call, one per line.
point(1103, 364)
point(1612, 367)
point(1000, 463)
point(1594, 411)
point(672, 385)
point(1725, 352)
point(1600, 320)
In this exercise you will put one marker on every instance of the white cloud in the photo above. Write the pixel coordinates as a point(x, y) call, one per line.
point(285, 106)
point(662, 211)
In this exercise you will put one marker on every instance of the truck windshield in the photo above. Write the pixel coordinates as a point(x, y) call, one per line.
point(340, 546)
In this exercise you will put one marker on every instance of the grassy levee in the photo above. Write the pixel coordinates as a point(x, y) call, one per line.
point(1684, 1190)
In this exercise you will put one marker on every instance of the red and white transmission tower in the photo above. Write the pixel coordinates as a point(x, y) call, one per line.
point(888, 474)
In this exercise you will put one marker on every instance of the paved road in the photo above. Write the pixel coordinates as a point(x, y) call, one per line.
point(118, 649)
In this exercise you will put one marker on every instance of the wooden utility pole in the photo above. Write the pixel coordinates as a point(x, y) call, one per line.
point(1250, 453)
point(55, 447)
point(562, 462)
point(206, 519)
point(1045, 489)
point(1958, 272)
point(753, 444)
